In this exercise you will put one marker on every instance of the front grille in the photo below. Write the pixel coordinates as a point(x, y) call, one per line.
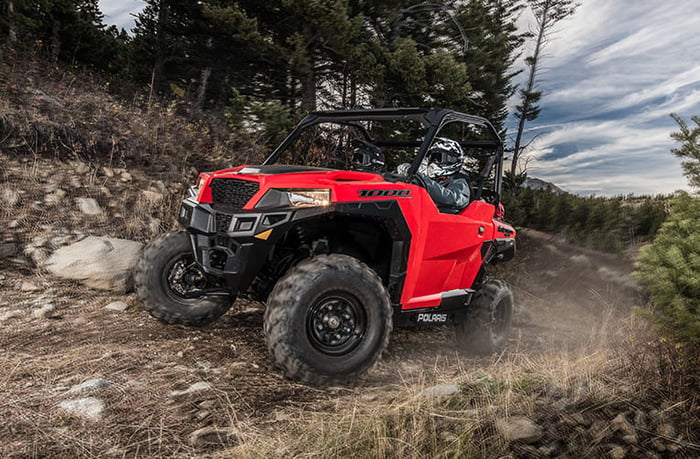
point(233, 192)
point(223, 221)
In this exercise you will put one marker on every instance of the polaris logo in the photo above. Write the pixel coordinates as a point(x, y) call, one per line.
point(432, 318)
point(384, 193)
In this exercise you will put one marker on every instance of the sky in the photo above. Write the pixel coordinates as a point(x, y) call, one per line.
point(120, 12)
point(611, 76)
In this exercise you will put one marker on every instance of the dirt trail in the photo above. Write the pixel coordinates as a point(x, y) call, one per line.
point(567, 299)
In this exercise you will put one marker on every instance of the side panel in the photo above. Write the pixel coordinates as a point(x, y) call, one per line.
point(446, 252)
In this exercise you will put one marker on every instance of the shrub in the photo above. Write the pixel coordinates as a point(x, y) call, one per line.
point(601, 223)
point(669, 269)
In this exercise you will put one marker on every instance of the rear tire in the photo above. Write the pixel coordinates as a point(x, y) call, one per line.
point(328, 320)
point(166, 276)
point(486, 326)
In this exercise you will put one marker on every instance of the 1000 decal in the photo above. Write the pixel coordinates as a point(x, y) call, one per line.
point(384, 193)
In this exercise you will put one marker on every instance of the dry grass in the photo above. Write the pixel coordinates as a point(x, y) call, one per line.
point(574, 398)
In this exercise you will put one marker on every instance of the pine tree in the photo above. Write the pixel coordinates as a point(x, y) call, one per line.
point(494, 43)
point(162, 43)
point(548, 13)
point(68, 30)
point(689, 150)
point(669, 268)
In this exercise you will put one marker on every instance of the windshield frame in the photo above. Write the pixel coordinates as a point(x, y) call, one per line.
point(432, 119)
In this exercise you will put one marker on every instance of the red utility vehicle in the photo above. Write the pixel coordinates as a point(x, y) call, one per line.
point(338, 251)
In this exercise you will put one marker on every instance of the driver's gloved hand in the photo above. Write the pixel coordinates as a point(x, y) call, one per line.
point(402, 169)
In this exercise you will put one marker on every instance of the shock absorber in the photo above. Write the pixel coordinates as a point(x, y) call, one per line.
point(302, 240)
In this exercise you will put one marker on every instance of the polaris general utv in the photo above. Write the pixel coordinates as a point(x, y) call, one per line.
point(339, 248)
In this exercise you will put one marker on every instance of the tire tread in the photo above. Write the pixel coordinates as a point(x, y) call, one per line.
point(473, 331)
point(149, 288)
point(288, 289)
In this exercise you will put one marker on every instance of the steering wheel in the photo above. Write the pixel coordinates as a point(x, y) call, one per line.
point(416, 179)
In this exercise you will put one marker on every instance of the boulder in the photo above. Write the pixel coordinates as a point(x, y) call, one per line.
point(8, 249)
point(29, 286)
point(89, 206)
point(80, 167)
point(118, 306)
point(196, 387)
point(441, 390)
point(519, 429)
point(153, 197)
point(617, 452)
point(47, 311)
point(90, 385)
point(9, 197)
point(10, 314)
point(213, 437)
point(55, 198)
point(98, 262)
point(89, 408)
point(622, 425)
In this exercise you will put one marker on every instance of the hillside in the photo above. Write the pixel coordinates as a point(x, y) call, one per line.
point(539, 184)
point(580, 377)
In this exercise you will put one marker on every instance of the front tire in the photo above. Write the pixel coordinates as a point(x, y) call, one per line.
point(328, 320)
point(486, 326)
point(167, 281)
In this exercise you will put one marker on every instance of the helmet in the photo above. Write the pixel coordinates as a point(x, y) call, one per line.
point(445, 157)
point(367, 156)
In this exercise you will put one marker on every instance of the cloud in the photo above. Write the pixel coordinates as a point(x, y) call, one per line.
point(661, 88)
point(614, 72)
point(685, 104)
point(612, 159)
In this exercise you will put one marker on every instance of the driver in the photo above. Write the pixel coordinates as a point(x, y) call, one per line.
point(442, 175)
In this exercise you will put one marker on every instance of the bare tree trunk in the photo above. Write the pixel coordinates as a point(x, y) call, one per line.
point(353, 92)
point(160, 45)
point(344, 99)
point(547, 14)
point(308, 76)
point(12, 31)
point(55, 40)
point(533, 60)
point(308, 92)
point(203, 82)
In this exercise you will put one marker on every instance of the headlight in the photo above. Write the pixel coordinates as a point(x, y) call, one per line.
point(294, 198)
point(193, 190)
point(309, 198)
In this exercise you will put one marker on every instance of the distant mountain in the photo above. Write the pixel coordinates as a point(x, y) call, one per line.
point(538, 184)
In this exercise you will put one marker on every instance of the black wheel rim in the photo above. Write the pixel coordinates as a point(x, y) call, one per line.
point(183, 278)
point(336, 323)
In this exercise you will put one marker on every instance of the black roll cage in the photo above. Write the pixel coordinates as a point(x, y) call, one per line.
point(432, 118)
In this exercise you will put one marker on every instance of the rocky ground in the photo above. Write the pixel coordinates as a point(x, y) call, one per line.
point(84, 372)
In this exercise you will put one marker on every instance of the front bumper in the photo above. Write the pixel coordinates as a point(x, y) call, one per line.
point(232, 245)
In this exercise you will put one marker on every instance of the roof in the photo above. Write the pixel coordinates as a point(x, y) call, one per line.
point(433, 116)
